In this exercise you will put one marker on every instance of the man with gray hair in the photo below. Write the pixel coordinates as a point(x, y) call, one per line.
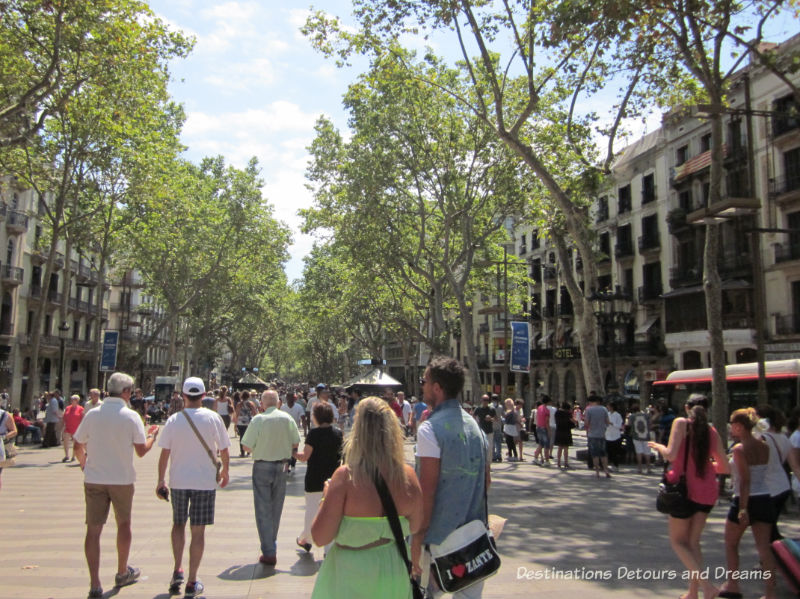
point(272, 438)
point(110, 434)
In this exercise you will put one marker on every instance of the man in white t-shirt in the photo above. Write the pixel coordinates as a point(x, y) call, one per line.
point(401, 398)
point(296, 411)
point(192, 477)
point(110, 434)
point(323, 394)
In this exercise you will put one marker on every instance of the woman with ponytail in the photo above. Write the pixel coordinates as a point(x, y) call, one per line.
point(751, 505)
point(705, 459)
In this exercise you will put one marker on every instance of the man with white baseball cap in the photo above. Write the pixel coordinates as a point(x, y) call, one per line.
point(190, 442)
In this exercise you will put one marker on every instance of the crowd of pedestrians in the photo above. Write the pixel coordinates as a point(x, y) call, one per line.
point(352, 449)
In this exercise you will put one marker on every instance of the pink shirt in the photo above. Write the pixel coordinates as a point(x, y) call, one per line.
point(542, 416)
point(701, 490)
point(72, 418)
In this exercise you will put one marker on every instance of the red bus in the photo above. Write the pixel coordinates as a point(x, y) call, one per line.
point(783, 385)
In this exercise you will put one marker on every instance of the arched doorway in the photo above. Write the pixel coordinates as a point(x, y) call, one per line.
point(745, 355)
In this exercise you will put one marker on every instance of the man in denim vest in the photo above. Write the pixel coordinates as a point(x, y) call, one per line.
point(453, 458)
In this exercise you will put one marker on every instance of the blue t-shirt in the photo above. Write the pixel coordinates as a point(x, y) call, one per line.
point(419, 408)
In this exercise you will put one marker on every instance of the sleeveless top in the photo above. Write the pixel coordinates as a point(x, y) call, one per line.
point(702, 489)
point(758, 480)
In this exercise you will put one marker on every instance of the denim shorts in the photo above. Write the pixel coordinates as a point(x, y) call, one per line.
point(543, 436)
point(198, 506)
point(597, 446)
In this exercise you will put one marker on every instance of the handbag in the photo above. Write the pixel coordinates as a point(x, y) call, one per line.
point(468, 555)
point(673, 496)
point(417, 592)
point(212, 457)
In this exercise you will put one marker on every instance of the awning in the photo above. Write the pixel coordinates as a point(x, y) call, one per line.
point(729, 284)
point(739, 378)
point(647, 325)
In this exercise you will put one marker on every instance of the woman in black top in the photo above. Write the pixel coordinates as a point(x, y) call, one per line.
point(323, 453)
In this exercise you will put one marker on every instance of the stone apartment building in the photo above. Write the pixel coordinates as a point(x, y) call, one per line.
point(650, 239)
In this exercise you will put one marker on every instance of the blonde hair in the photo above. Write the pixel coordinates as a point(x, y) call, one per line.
point(375, 445)
point(747, 417)
point(508, 404)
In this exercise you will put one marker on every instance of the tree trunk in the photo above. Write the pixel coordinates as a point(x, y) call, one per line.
point(66, 286)
point(585, 324)
point(32, 388)
point(712, 286)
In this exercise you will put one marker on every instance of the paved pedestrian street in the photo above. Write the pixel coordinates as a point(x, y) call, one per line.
point(567, 535)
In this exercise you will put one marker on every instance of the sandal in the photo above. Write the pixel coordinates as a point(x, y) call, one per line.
point(306, 545)
point(96, 592)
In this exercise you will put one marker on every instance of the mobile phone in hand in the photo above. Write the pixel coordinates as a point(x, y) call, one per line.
point(163, 492)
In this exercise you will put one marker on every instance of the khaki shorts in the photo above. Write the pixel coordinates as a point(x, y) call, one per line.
point(100, 497)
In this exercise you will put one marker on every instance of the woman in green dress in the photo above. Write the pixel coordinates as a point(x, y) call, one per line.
point(364, 560)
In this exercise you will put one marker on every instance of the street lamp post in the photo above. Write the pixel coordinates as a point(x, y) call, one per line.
point(612, 311)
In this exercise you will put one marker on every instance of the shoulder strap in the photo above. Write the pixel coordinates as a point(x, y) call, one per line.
point(768, 435)
point(394, 521)
point(202, 441)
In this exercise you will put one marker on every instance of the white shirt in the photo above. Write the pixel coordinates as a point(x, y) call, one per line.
point(296, 412)
point(190, 467)
point(427, 446)
point(794, 439)
point(779, 448)
point(222, 407)
point(109, 433)
point(406, 412)
point(91, 406)
point(613, 430)
point(552, 410)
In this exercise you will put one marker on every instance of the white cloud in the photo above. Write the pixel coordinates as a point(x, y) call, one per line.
point(242, 76)
point(279, 116)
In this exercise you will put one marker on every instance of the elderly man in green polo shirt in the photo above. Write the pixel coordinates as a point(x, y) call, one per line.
point(271, 438)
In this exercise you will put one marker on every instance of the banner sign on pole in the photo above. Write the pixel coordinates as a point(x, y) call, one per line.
point(110, 343)
point(520, 347)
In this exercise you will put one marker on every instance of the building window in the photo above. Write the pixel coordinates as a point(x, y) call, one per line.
point(605, 246)
point(705, 143)
point(648, 188)
point(10, 252)
point(602, 209)
point(735, 137)
point(624, 242)
point(791, 167)
point(685, 200)
point(681, 155)
point(787, 117)
point(624, 199)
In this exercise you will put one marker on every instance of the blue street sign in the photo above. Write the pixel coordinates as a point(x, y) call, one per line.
point(520, 347)
point(110, 343)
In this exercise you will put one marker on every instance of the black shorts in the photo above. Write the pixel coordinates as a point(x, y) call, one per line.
point(760, 508)
point(689, 509)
